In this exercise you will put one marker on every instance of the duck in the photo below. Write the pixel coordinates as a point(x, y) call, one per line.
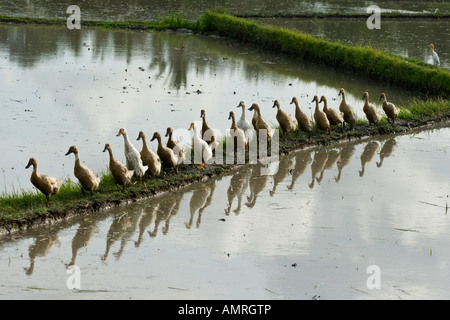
point(206, 133)
point(44, 183)
point(201, 147)
point(370, 110)
point(434, 55)
point(122, 175)
point(254, 118)
point(132, 156)
point(334, 117)
point(172, 144)
point(284, 119)
point(303, 121)
point(320, 117)
point(167, 156)
point(240, 139)
point(243, 123)
point(149, 158)
point(260, 123)
point(347, 110)
point(88, 180)
point(389, 108)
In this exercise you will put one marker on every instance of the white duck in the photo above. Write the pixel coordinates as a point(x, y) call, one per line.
point(243, 123)
point(200, 147)
point(133, 157)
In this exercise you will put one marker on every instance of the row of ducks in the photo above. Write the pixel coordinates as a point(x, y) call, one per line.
point(171, 155)
point(324, 118)
point(137, 163)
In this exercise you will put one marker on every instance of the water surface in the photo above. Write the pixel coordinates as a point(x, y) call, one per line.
point(151, 10)
point(310, 230)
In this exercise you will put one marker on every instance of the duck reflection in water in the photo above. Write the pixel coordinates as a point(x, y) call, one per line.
point(345, 155)
point(41, 247)
point(201, 198)
point(257, 183)
point(285, 167)
point(82, 237)
point(122, 228)
point(318, 164)
point(168, 206)
point(333, 157)
point(302, 161)
point(238, 186)
point(386, 150)
point(369, 151)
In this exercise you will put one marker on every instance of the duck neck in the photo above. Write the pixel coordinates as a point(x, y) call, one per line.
point(296, 105)
point(317, 106)
point(343, 97)
point(325, 107)
point(233, 123)
point(144, 143)
point(77, 159)
point(111, 156)
point(243, 114)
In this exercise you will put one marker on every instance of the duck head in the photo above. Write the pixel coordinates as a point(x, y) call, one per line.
point(241, 104)
point(254, 106)
point(294, 100)
point(276, 103)
point(107, 147)
point(169, 131)
point(341, 91)
point(157, 136)
point(72, 149)
point(323, 99)
point(122, 131)
point(141, 135)
point(31, 162)
point(202, 113)
point(316, 98)
point(382, 97)
point(366, 95)
point(192, 126)
point(231, 116)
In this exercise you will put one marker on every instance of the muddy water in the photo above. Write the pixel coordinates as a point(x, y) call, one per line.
point(309, 230)
point(63, 87)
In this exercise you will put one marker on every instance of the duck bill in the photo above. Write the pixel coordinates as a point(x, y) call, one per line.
point(28, 165)
point(68, 152)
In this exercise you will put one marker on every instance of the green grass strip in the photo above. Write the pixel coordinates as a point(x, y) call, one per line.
point(375, 64)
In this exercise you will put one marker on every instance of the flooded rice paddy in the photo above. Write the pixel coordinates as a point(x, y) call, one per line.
point(310, 230)
point(151, 10)
point(61, 88)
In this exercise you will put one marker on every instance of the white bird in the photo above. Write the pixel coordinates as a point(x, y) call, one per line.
point(243, 123)
point(434, 55)
point(201, 147)
point(133, 157)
